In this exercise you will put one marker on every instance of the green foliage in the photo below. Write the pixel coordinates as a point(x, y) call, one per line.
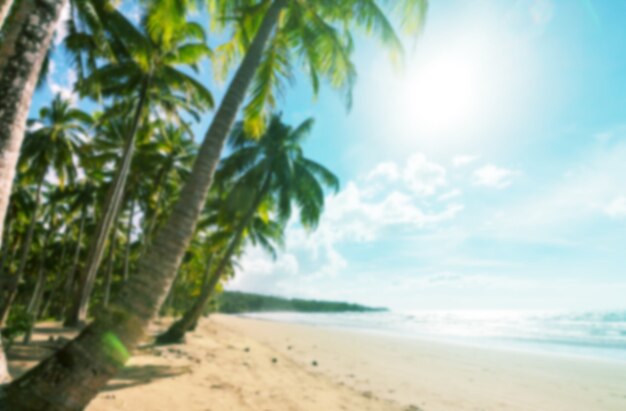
point(262, 181)
point(18, 323)
point(233, 302)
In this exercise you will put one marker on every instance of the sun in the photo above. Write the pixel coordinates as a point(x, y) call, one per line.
point(442, 94)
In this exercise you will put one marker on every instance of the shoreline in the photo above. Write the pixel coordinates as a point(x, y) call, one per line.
point(235, 363)
point(536, 347)
point(437, 375)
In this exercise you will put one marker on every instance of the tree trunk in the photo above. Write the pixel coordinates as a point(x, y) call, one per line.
point(78, 312)
point(206, 277)
point(5, 7)
point(69, 284)
point(17, 278)
point(69, 379)
point(27, 38)
point(5, 377)
point(129, 233)
point(35, 299)
point(59, 283)
point(109, 273)
point(5, 246)
point(7, 279)
point(152, 222)
point(176, 333)
point(35, 302)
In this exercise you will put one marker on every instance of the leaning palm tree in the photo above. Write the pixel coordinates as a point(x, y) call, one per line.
point(152, 67)
point(5, 8)
point(25, 42)
point(84, 366)
point(272, 169)
point(54, 146)
point(165, 162)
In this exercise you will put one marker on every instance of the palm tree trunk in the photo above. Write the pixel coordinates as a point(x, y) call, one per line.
point(69, 379)
point(69, 284)
point(78, 312)
point(151, 225)
point(5, 246)
point(23, 49)
point(176, 332)
point(22, 52)
point(35, 299)
point(17, 278)
point(5, 7)
point(206, 277)
point(129, 232)
point(109, 273)
point(27, 38)
point(169, 305)
point(35, 302)
point(7, 279)
point(33, 306)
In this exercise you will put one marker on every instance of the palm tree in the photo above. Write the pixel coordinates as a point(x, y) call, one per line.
point(148, 65)
point(170, 155)
point(5, 7)
point(26, 39)
point(272, 169)
point(102, 348)
point(83, 197)
point(54, 146)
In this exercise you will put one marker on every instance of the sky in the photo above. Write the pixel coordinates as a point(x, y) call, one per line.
point(486, 173)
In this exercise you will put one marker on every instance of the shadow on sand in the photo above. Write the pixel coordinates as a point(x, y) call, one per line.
point(22, 357)
point(133, 376)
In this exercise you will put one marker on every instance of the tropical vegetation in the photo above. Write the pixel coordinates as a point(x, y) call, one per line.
point(113, 208)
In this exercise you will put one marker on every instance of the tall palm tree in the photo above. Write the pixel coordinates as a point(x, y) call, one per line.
point(27, 37)
point(55, 147)
point(272, 169)
point(148, 65)
point(170, 155)
point(84, 365)
point(5, 8)
point(83, 197)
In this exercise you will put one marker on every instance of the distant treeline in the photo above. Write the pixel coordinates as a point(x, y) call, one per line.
point(233, 302)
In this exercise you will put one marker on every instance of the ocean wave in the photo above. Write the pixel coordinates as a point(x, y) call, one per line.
point(597, 334)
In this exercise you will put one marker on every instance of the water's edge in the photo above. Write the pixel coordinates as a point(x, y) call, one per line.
point(599, 335)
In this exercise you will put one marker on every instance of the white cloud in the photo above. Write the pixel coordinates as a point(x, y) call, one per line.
point(36, 125)
point(616, 208)
point(616, 132)
point(61, 31)
point(362, 212)
point(422, 176)
point(260, 272)
point(65, 87)
point(558, 211)
point(493, 176)
point(450, 195)
point(463, 160)
point(447, 279)
point(418, 175)
point(387, 170)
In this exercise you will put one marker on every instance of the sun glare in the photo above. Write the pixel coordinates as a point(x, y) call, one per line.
point(455, 91)
point(443, 94)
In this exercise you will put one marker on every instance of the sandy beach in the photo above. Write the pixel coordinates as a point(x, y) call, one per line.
point(232, 363)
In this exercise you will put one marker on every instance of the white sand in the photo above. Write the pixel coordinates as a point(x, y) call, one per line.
point(231, 363)
point(442, 377)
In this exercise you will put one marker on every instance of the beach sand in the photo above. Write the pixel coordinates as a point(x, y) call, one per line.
point(232, 363)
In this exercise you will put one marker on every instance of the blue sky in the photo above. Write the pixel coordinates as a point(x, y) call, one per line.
point(489, 173)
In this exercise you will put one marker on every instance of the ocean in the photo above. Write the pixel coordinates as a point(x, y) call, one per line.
point(599, 335)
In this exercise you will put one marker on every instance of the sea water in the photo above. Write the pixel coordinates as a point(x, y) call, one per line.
point(600, 335)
